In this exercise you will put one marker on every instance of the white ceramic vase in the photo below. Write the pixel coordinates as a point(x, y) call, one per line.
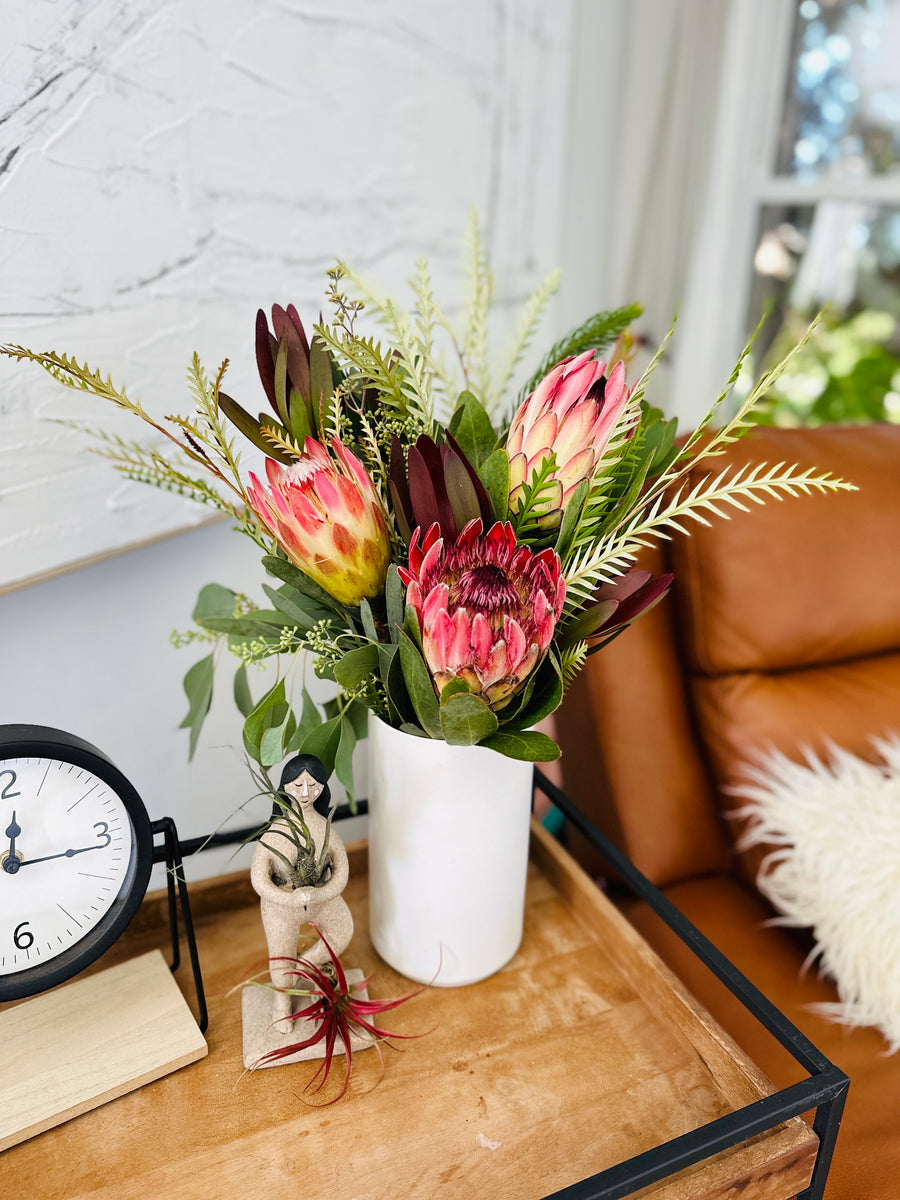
point(448, 856)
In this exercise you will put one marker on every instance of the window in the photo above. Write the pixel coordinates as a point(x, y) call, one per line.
point(804, 206)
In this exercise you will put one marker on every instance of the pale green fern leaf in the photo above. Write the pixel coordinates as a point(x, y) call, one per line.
point(534, 309)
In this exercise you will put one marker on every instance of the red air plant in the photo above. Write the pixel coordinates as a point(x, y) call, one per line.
point(334, 1012)
point(486, 607)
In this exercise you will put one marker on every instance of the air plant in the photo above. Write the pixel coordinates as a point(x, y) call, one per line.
point(335, 1011)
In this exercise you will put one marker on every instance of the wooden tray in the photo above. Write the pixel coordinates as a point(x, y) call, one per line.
point(582, 1052)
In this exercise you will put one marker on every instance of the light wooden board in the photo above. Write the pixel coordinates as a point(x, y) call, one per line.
point(78, 1046)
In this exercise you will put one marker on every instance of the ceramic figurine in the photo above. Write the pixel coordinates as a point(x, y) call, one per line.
point(299, 877)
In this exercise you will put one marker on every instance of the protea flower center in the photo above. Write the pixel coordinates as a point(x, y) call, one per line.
point(487, 589)
point(486, 606)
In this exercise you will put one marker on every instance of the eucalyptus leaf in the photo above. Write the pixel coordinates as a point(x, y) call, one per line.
point(290, 602)
point(270, 711)
point(356, 666)
point(527, 745)
point(323, 742)
point(466, 720)
point(358, 716)
point(453, 688)
point(242, 697)
point(494, 474)
point(395, 600)
point(310, 716)
point(343, 759)
point(368, 621)
point(214, 601)
point(411, 627)
point(417, 678)
point(198, 687)
point(543, 700)
point(399, 703)
point(272, 744)
point(250, 625)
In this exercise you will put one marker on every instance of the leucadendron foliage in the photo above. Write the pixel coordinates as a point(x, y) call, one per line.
point(444, 551)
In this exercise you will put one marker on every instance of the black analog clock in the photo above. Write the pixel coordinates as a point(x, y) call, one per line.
point(76, 848)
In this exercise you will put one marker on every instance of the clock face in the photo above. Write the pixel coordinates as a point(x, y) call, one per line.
point(75, 855)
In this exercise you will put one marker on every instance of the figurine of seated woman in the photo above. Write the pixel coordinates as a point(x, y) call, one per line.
point(278, 871)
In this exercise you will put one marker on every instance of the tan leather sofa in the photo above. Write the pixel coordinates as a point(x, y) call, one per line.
point(782, 629)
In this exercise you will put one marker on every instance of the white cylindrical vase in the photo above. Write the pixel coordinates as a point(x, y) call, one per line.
point(448, 855)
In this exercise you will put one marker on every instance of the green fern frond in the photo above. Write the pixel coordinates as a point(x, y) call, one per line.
point(534, 309)
point(480, 290)
point(730, 489)
point(572, 660)
point(282, 440)
point(529, 517)
point(69, 372)
point(595, 333)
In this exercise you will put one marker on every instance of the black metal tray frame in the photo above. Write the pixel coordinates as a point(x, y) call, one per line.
point(824, 1091)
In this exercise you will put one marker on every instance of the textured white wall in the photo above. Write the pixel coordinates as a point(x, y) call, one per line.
point(165, 169)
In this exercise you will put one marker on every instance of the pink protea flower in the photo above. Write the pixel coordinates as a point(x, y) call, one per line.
point(326, 515)
point(572, 412)
point(486, 607)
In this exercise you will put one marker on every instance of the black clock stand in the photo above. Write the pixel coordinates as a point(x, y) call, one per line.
point(170, 853)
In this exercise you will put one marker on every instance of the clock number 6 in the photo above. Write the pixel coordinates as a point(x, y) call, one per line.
point(6, 794)
point(22, 937)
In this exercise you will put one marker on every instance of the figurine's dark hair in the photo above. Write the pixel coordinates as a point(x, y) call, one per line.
point(295, 767)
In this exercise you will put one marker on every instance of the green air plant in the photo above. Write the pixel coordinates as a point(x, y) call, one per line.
point(304, 868)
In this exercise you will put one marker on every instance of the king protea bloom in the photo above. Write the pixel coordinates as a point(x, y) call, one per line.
point(486, 607)
point(327, 517)
point(572, 413)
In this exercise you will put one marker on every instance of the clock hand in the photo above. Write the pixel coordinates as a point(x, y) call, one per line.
point(12, 861)
point(62, 854)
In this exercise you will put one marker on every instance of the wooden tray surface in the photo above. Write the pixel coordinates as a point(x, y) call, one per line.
point(583, 1051)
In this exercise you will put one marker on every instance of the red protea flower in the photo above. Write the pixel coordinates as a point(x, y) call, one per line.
point(486, 607)
point(572, 412)
point(328, 518)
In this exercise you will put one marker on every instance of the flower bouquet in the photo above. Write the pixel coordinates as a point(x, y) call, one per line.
point(448, 555)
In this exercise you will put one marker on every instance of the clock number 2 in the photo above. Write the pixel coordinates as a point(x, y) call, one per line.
point(6, 794)
point(22, 937)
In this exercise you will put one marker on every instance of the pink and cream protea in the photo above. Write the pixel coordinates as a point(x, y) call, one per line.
point(486, 607)
point(326, 515)
point(572, 413)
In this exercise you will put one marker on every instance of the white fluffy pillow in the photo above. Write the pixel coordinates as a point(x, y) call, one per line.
point(837, 869)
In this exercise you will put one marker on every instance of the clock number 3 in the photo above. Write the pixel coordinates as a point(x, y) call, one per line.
point(103, 832)
point(6, 794)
